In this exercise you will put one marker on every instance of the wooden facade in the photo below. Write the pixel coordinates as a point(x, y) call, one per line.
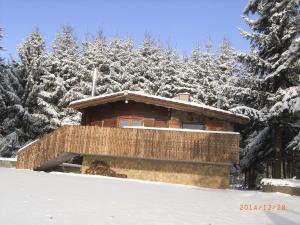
point(166, 103)
point(110, 115)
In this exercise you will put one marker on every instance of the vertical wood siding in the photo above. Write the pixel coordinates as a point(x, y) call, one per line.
point(139, 143)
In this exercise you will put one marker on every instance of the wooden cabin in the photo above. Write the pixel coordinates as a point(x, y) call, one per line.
point(130, 109)
point(141, 136)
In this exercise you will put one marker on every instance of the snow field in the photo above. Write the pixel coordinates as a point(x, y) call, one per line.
point(36, 198)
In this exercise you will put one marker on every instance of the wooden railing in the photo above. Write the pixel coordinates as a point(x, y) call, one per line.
point(203, 146)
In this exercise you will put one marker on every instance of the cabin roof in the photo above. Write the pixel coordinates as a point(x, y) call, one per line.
point(177, 104)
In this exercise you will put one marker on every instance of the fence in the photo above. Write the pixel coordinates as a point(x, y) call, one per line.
point(218, 147)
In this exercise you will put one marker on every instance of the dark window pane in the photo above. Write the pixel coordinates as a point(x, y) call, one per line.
point(193, 126)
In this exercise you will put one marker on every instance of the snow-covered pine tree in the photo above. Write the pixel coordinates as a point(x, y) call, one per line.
point(209, 80)
point(275, 37)
point(67, 66)
point(31, 53)
point(121, 65)
point(226, 61)
point(65, 59)
point(94, 55)
point(147, 66)
point(170, 83)
point(275, 56)
point(110, 82)
point(1, 36)
point(189, 73)
point(128, 60)
point(39, 113)
point(12, 132)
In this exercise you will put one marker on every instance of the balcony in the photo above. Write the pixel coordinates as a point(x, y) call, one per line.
point(163, 144)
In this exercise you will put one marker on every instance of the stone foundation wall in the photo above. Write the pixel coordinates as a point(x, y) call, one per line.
point(179, 172)
point(282, 189)
point(8, 162)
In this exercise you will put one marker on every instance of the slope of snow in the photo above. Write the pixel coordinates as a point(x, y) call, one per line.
point(281, 182)
point(36, 198)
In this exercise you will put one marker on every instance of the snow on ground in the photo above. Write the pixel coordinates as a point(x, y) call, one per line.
point(8, 159)
point(281, 182)
point(36, 198)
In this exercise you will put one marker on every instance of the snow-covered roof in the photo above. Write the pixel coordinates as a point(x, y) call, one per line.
point(160, 101)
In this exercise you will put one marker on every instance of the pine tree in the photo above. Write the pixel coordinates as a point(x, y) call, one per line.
point(11, 110)
point(170, 83)
point(275, 37)
point(226, 61)
point(94, 55)
point(147, 66)
point(128, 59)
point(275, 58)
point(12, 133)
point(66, 65)
point(121, 63)
point(32, 55)
point(196, 66)
point(1, 36)
point(209, 80)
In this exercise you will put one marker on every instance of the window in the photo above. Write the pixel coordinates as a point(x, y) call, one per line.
point(193, 126)
point(136, 123)
point(123, 122)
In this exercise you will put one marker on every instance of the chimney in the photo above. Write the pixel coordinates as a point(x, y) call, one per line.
point(94, 75)
point(184, 96)
point(219, 101)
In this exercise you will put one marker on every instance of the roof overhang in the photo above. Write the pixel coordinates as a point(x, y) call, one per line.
point(162, 102)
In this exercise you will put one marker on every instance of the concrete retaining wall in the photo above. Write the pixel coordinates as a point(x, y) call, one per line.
point(180, 172)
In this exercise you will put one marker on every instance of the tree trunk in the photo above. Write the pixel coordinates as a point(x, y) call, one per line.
point(251, 178)
point(278, 152)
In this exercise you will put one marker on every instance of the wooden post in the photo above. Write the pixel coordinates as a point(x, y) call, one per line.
point(278, 152)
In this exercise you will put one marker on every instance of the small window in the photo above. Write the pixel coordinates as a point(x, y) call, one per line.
point(136, 123)
point(124, 123)
point(130, 122)
point(193, 126)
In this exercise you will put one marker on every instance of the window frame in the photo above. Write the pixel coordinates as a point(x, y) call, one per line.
point(130, 120)
point(190, 123)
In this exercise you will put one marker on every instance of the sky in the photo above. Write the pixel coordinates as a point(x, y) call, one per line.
point(181, 24)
